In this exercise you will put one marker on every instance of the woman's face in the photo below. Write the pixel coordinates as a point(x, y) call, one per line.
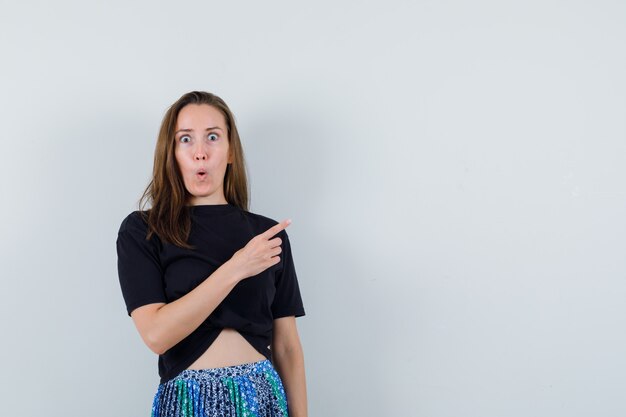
point(202, 152)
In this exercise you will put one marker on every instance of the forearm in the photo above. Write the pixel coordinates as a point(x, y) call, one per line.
point(290, 366)
point(176, 320)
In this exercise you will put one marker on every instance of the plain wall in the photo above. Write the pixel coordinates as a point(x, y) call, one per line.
point(454, 170)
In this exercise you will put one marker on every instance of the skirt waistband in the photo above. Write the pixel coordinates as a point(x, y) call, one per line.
point(225, 371)
point(249, 389)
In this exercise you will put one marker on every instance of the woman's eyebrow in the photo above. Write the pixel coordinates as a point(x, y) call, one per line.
point(191, 130)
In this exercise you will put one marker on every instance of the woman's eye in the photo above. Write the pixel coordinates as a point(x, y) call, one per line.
point(213, 134)
point(183, 137)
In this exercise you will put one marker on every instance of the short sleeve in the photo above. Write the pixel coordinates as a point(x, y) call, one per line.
point(138, 266)
point(287, 299)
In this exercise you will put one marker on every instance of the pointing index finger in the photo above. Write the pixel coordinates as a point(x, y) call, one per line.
point(276, 228)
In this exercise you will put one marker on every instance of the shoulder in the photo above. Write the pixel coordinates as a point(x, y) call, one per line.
point(262, 222)
point(134, 222)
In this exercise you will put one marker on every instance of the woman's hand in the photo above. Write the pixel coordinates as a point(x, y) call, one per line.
point(259, 253)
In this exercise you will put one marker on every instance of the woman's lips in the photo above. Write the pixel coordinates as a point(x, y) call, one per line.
point(201, 175)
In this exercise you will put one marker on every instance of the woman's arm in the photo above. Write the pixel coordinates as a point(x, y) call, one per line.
point(162, 326)
point(288, 359)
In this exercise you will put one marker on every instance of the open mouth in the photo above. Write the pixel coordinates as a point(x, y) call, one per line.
point(201, 175)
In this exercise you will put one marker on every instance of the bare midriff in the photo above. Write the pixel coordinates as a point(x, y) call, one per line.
point(228, 349)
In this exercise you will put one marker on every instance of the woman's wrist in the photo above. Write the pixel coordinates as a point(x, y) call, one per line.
point(231, 272)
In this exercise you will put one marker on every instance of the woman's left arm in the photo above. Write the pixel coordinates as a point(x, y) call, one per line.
point(288, 359)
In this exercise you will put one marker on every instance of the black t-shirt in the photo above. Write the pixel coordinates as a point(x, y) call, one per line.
point(151, 271)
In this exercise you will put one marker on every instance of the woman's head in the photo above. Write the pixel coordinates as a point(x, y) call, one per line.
point(202, 152)
point(184, 146)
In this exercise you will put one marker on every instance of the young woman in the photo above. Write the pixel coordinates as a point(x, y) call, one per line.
point(211, 287)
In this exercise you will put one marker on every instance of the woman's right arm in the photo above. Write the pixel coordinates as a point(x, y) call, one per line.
point(162, 325)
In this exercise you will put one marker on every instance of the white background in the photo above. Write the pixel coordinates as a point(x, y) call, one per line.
point(454, 170)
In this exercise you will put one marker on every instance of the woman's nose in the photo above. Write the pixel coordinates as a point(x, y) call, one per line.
point(200, 154)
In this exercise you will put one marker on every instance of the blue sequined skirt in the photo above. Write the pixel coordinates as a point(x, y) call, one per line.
point(250, 389)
